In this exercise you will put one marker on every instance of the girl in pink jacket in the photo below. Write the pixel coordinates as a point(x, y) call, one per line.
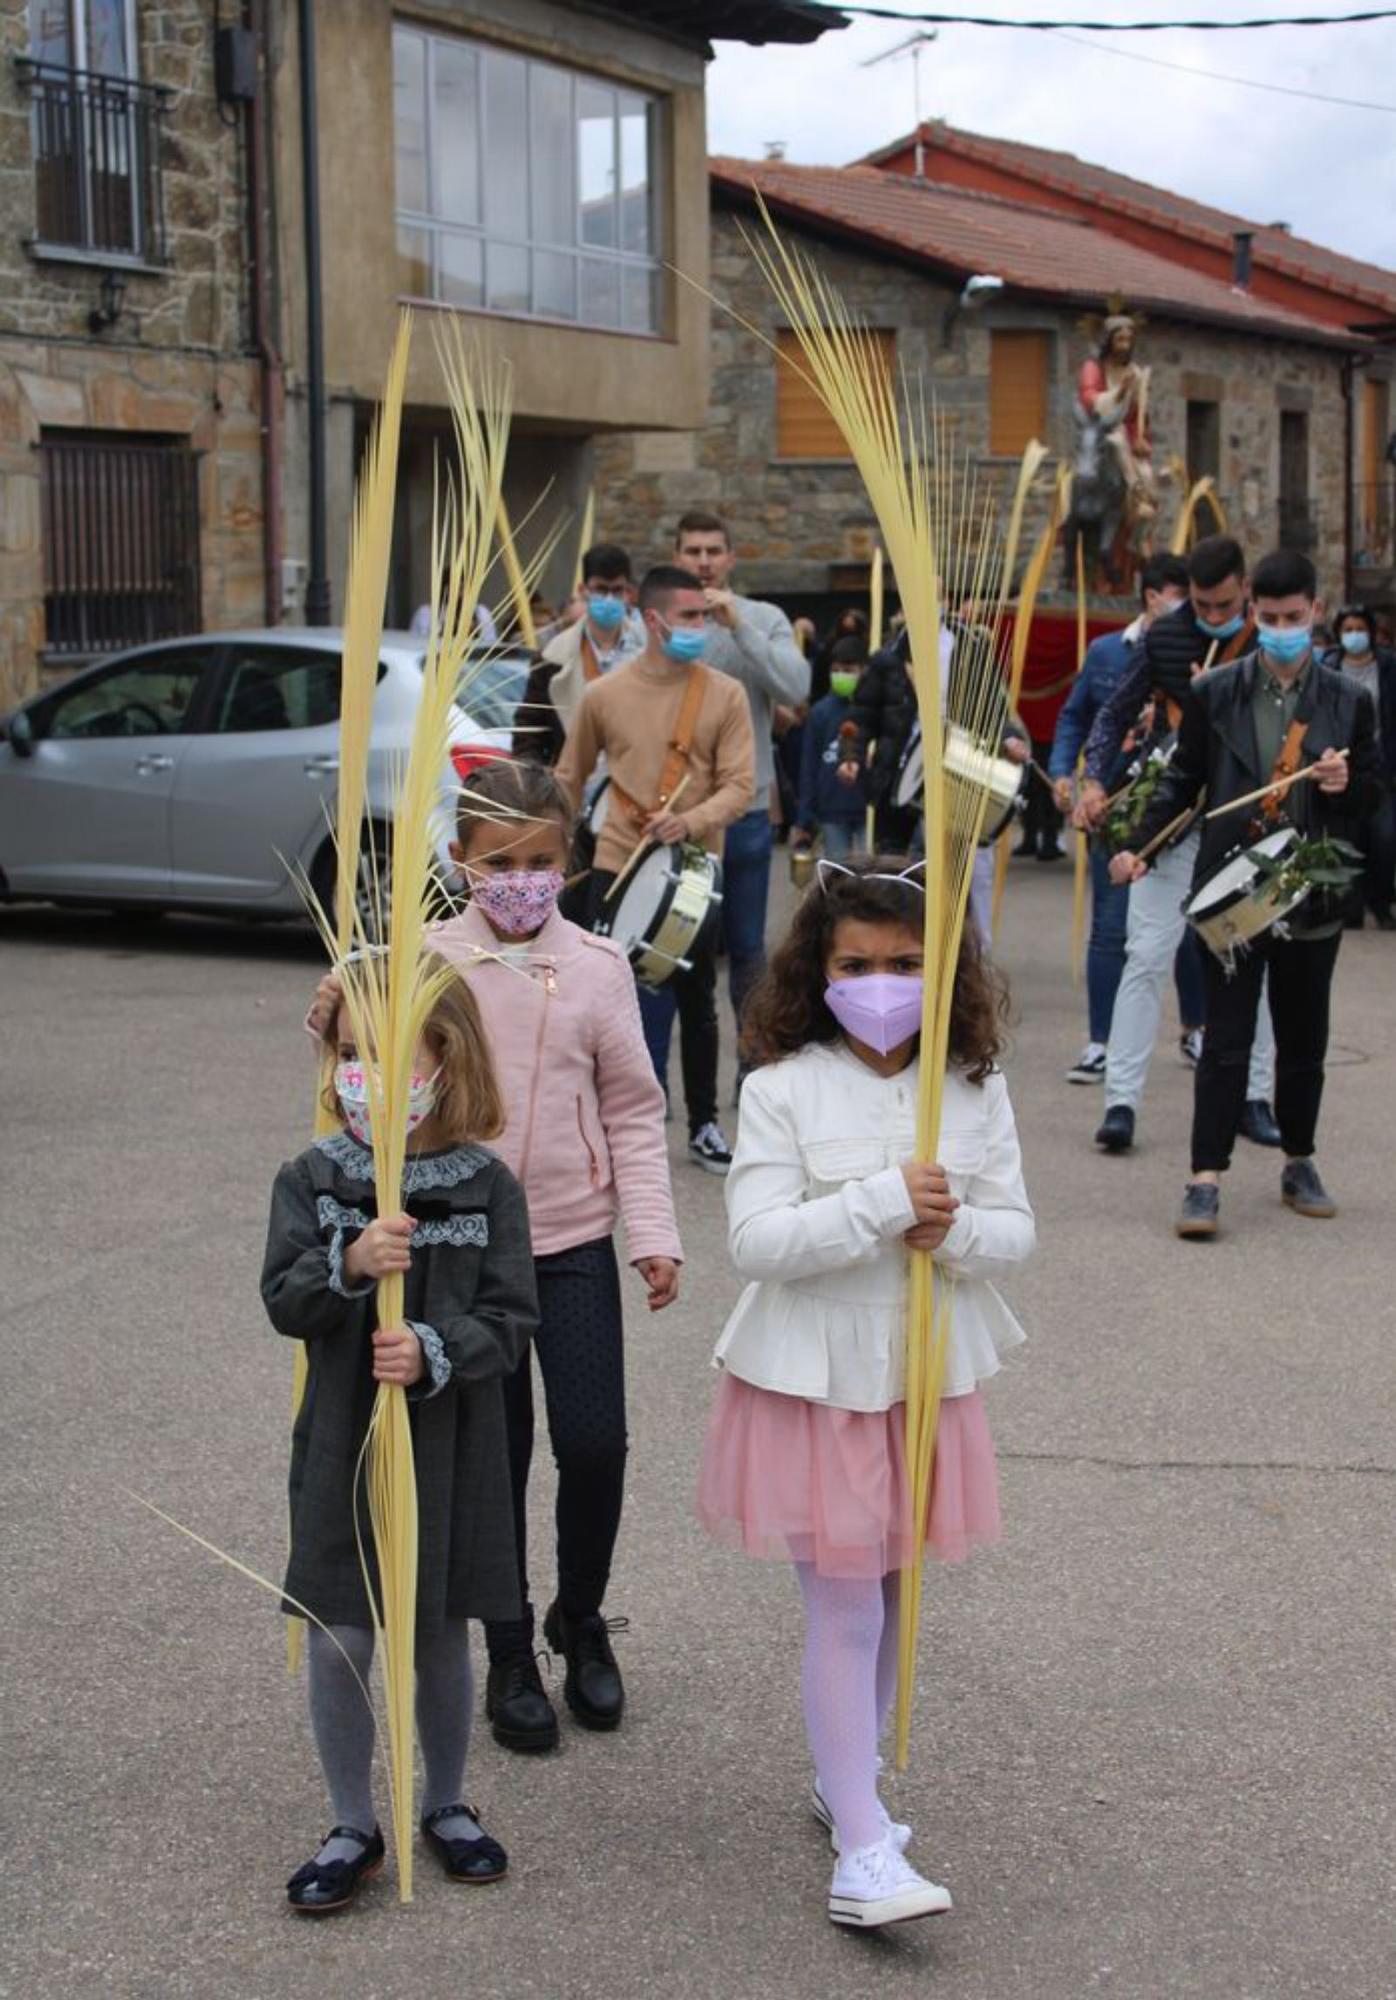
point(584, 1133)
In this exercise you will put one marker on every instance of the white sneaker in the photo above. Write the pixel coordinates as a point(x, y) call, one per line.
point(1190, 1046)
point(895, 1830)
point(878, 1885)
point(1089, 1066)
point(709, 1150)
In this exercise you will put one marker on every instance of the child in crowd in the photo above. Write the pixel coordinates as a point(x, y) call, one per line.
point(471, 1305)
point(829, 804)
point(584, 1131)
point(805, 1457)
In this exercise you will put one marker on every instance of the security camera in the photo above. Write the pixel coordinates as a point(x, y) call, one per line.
point(980, 287)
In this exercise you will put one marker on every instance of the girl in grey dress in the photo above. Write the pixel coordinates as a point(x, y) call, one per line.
point(471, 1307)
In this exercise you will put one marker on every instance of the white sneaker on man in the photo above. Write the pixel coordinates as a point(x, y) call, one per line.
point(878, 1885)
point(1190, 1046)
point(1089, 1066)
point(896, 1830)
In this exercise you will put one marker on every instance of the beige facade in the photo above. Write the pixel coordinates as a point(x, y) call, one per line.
point(571, 382)
point(803, 527)
point(172, 367)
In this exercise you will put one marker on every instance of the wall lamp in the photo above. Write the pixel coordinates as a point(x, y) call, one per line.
point(112, 292)
point(982, 286)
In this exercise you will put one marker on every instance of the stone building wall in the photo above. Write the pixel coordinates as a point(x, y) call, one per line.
point(792, 520)
point(176, 362)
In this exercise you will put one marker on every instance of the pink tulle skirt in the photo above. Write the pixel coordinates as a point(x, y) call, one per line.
point(801, 1482)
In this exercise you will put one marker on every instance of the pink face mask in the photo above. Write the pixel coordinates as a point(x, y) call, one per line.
point(351, 1087)
point(881, 1010)
point(519, 901)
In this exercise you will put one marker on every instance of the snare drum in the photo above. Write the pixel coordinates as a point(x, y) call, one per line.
point(968, 761)
point(664, 908)
point(1236, 902)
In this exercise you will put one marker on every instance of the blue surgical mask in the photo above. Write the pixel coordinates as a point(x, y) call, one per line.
point(1356, 643)
point(684, 644)
point(605, 613)
point(1228, 630)
point(1286, 643)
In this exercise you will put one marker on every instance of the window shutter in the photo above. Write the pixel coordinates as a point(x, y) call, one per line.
point(1017, 391)
point(804, 428)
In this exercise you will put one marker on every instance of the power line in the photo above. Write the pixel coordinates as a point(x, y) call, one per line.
point(1219, 76)
point(945, 20)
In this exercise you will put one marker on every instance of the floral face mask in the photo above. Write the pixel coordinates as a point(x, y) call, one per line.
point(352, 1088)
point(518, 901)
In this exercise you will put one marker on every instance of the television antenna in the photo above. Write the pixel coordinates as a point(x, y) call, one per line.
point(912, 46)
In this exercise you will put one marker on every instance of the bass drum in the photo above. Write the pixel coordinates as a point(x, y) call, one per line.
point(671, 898)
point(588, 825)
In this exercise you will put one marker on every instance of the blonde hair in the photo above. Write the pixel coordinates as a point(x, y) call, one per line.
point(469, 1103)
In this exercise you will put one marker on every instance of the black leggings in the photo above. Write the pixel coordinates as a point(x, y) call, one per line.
point(580, 1352)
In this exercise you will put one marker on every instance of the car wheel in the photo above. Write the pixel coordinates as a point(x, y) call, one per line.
point(373, 894)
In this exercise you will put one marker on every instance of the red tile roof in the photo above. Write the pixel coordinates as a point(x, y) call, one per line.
point(1032, 250)
point(1293, 255)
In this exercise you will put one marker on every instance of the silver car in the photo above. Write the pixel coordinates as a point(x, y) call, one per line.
point(197, 774)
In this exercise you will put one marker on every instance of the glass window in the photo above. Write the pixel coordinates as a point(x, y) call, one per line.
point(524, 187)
point(410, 117)
point(455, 132)
point(94, 35)
point(279, 687)
point(148, 698)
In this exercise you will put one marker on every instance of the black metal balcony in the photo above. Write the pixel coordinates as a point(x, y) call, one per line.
point(97, 161)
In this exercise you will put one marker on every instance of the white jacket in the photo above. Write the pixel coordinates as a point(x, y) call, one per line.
point(816, 1209)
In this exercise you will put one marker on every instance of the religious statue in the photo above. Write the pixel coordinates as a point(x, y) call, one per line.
point(1114, 493)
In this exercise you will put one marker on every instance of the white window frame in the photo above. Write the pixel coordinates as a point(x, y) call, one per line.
point(436, 227)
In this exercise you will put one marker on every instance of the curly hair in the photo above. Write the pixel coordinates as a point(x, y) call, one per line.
point(787, 1009)
point(469, 1104)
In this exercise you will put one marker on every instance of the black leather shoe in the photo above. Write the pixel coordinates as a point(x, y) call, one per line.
point(1258, 1123)
point(521, 1716)
point(1116, 1130)
point(1198, 1214)
point(322, 1887)
point(592, 1688)
point(469, 1861)
point(1051, 850)
point(1303, 1191)
point(1385, 920)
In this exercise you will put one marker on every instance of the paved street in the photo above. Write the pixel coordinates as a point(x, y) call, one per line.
point(1153, 1751)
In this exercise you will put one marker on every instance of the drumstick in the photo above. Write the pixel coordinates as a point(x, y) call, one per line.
point(1279, 785)
point(1173, 826)
point(645, 846)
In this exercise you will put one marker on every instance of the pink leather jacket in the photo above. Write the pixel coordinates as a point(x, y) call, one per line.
point(585, 1131)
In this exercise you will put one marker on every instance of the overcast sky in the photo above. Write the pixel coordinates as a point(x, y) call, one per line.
point(1328, 170)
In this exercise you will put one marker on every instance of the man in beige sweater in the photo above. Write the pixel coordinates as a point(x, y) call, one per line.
point(660, 719)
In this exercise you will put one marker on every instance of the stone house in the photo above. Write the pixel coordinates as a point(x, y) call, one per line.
point(531, 167)
point(130, 436)
point(1242, 388)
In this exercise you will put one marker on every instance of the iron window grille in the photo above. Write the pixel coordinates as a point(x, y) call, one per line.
point(121, 541)
point(97, 161)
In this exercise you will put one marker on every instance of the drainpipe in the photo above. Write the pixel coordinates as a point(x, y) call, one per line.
point(317, 588)
point(258, 188)
point(1349, 468)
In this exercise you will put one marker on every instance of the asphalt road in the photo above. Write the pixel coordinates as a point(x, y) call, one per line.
point(1153, 1751)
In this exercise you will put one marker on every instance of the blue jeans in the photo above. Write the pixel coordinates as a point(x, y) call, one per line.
point(746, 879)
point(841, 837)
point(1105, 956)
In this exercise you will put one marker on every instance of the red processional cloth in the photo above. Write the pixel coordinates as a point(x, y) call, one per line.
point(1052, 664)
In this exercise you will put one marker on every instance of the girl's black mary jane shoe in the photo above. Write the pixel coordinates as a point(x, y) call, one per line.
point(322, 1887)
point(471, 1861)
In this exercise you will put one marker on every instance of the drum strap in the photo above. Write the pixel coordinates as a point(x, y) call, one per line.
point(590, 670)
point(676, 757)
point(1240, 642)
point(1286, 764)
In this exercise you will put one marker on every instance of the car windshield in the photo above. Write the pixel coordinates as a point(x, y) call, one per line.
point(491, 690)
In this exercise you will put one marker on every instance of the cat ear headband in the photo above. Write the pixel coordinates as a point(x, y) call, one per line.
point(907, 876)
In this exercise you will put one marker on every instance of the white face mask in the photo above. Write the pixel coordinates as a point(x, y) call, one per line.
point(351, 1087)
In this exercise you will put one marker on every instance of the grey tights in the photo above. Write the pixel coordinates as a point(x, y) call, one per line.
point(344, 1728)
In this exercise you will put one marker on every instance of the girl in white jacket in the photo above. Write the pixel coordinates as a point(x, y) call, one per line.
point(804, 1458)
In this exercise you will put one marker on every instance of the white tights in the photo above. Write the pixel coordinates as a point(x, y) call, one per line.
point(849, 1681)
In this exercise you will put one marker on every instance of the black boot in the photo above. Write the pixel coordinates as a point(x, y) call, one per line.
point(516, 1703)
point(592, 1688)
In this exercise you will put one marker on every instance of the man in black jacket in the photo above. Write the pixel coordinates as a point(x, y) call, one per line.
point(883, 716)
point(1241, 726)
point(1213, 626)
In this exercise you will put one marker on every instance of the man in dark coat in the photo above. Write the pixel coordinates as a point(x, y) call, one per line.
point(1271, 713)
